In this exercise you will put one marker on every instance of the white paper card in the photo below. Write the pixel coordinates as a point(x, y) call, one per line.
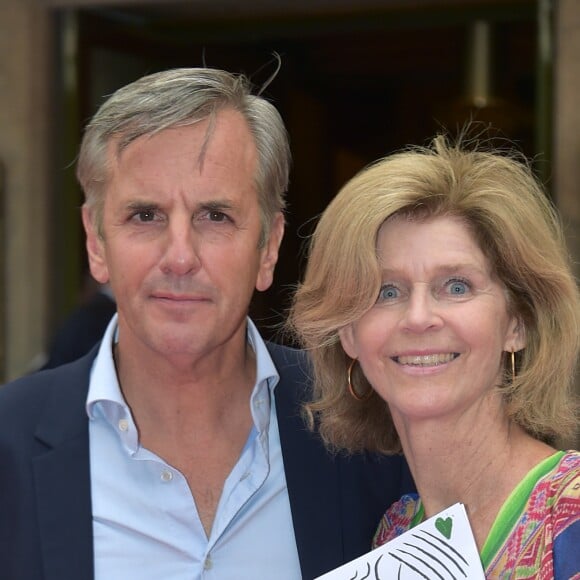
point(442, 547)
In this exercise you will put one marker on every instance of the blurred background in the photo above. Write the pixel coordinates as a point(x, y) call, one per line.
point(359, 79)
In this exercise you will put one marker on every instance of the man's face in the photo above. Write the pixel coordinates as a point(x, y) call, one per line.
point(180, 241)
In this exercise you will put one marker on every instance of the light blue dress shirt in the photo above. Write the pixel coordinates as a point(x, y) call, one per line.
point(145, 522)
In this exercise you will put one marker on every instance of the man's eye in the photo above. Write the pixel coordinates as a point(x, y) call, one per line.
point(217, 216)
point(146, 215)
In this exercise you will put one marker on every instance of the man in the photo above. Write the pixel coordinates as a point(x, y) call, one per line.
point(177, 449)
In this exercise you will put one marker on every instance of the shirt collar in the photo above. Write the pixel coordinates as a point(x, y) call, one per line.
point(105, 392)
point(103, 383)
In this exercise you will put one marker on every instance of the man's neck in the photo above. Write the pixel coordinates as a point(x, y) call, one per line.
point(206, 388)
point(192, 419)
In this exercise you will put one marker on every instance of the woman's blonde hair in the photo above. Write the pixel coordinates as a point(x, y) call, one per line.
point(519, 231)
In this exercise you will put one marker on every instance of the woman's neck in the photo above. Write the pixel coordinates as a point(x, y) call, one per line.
point(478, 466)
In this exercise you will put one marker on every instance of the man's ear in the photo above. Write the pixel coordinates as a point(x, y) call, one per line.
point(346, 335)
point(95, 248)
point(269, 253)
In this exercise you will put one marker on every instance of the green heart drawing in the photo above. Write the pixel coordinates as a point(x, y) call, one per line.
point(444, 526)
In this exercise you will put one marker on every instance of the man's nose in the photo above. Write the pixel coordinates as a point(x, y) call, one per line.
point(182, 251)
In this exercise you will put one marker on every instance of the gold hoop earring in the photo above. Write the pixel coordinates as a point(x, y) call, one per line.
point(513, 362)
point(351, 390)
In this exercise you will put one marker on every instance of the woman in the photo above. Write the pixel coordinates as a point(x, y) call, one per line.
point(438, 282)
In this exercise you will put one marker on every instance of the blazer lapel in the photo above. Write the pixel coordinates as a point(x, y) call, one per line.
point(62, 478)
point(312, 474)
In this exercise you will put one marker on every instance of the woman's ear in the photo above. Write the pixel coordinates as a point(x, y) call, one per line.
point(347, 340)
point(516, 336)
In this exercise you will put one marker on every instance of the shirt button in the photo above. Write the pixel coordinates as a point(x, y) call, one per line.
point(123, 425)
point(245, 476)
point(166, 475)
point(208, 564)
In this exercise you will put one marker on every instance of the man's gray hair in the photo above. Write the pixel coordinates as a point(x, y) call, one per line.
point(181, 97)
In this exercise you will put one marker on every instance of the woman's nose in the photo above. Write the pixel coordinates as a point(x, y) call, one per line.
point(422, 310)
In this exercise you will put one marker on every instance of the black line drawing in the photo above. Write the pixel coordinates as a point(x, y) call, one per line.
point(433, 557)
point(422, 553)
point(362, 577)
point(416, 557)
point(368, 572)
point(409, 565)
point(424, 562)
point(442, 551)
point(446, 544)
point(377, 567)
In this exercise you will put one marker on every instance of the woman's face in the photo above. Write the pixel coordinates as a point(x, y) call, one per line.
point(432, 344)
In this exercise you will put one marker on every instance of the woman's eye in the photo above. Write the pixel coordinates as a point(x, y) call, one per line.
point(388, 292)
point(457, 287)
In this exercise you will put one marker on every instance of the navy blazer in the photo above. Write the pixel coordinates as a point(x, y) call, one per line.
point(45, 488)
point(81, 330)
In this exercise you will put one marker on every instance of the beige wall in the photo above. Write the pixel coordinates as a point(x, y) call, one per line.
point(24, 115)
point(566, 165)
point(567, 119)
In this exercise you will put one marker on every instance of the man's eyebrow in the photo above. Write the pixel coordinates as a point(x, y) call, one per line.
point(138, 204)
point(215, 204)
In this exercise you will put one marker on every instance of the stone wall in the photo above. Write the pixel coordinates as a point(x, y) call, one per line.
point(25, 70)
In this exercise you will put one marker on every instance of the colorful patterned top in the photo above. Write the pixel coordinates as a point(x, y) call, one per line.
point(536, 533)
